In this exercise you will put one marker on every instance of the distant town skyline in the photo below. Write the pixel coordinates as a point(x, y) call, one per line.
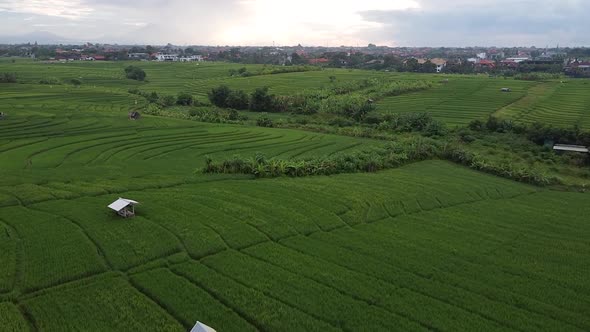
point(454, 23)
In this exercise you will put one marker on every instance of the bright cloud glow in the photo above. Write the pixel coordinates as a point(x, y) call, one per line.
point(70, 9)
point(308, 22)
point(321, 22)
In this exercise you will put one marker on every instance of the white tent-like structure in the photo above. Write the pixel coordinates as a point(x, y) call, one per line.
point(124, 207)
point(200, 327)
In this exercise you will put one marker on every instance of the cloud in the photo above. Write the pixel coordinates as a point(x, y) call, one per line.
point(69, 9)
point(503, 23)
point(310, 22)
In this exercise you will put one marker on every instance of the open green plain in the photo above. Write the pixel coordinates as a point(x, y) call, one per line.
point(428, 246)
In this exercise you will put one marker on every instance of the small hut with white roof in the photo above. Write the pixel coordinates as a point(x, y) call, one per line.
point(124, 207)
point(200, 327)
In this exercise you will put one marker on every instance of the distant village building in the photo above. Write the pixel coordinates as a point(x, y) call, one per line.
point(94, 58)
point(486, 64)
point(518, 60)
point(138, 56)
point(318, 61)
point(440, 63)
point(191, 58)
point(177, 58)
point(167, 57)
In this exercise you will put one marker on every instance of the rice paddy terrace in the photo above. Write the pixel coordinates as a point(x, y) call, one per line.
point(426, 247)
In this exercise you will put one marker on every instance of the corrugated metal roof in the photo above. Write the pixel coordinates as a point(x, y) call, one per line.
point(200, 327)
point(571, 148)
point(121, 203)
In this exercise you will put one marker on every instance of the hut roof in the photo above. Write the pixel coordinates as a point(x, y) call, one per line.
point(571, 148)
point(122, 203)
point(200, 327)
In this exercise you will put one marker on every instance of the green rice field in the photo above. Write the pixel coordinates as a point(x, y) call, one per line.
point(430, 246)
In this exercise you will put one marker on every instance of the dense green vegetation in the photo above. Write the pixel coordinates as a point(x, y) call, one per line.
point(441, 238)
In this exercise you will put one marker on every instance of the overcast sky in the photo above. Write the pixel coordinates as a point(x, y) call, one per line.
point(308, 22)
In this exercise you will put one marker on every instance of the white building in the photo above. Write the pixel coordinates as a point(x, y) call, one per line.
point(167, 57)
point(191, 58)
point(176, 57)
point(517, 60)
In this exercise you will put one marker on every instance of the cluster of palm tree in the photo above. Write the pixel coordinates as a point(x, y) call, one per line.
point(390, 156)
point(521, 173)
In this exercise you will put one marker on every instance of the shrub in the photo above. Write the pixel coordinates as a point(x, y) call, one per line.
point(435, 128)
point(153, 109)
point(352, 106)
point(8, 78)
point(261, 100)
point(76, 82)
point(264, 121)
point(237, 99)
point(50, 81)
point(185, 99)
point(152, 97)
point(466, 137)
point(167, 100)
point(218, 96)
point(477, 125)
point(135, 73)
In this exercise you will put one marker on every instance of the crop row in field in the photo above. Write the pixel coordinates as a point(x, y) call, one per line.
point(11, 319)
point(427, 246)
point(555, 103)
point(459, 101)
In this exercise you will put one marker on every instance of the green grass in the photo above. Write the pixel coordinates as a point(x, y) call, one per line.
point(560, 104)
point(428, 246)
point(459, 101)
point(11, 319)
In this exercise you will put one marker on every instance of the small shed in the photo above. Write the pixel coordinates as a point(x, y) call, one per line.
point(505, 90)
point(124, 207)
point(134, 115)
point(570, 148)
point(200, 327)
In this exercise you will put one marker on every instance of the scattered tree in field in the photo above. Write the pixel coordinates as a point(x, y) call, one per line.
point(332, 79)
point(135, 73)
point(218, 96)
point(8, 78)
point(261, 100)
point(50, 81)
point(167, 100)
point(428, 67)
point(185, 99)
point(237, 99)
point(153, 97)
point(412, 65)
point(76, 82)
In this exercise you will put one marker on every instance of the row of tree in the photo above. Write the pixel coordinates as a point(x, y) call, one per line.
point(259, 101)
point(183, 98)
point(392, 155)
